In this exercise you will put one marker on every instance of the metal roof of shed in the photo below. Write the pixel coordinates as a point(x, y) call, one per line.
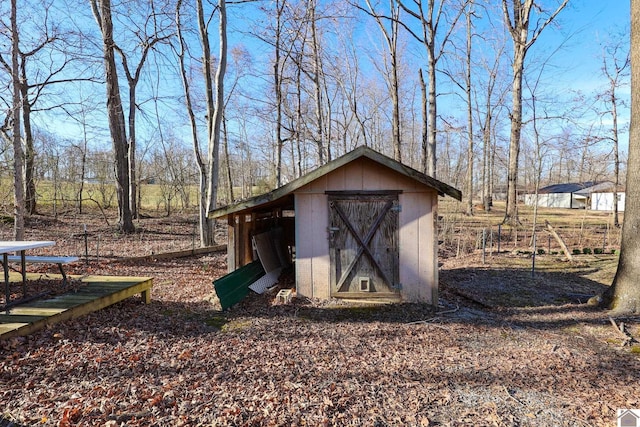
point(283, 196)
point(577, 187)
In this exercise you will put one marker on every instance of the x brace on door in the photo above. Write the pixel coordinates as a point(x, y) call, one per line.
point(364, 243)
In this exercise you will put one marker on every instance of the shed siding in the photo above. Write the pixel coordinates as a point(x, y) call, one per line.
point(352, 176)
point(338, 179)
point(409, 237)
point(312, 246)
point(418, 272)
point(418, 257)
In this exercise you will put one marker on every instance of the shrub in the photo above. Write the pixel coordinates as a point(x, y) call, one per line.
point(598, 251)
point(577, 252)
point(541, 252)
point(586, 251)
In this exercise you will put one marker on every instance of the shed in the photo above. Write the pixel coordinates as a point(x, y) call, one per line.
point(362, 226)
point(575, 195)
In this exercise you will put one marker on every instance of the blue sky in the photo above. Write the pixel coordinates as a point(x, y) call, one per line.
point(589, 22)
point(579, 30)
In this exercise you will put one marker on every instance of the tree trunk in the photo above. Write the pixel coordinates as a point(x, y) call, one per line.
point(486, 159)
point(616, 153)
point(133, 183)
point(395, 99)
point(18, 155)
point(425, 114)
point(227, 160)
point(392, 40)
point(214, 135)
point(511, 215)
point(391, 76)
point(278, 91)
point(517, 19)
point(115, 115)
point(624, 293)
point(317, 86)
point(29, 150)
point(29, 156)
point(470, 156)
point(432, 116)
point(300, 134)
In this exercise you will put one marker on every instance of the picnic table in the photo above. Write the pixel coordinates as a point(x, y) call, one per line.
point(19, 246)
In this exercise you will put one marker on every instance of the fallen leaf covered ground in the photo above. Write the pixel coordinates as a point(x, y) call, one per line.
point(475, 360)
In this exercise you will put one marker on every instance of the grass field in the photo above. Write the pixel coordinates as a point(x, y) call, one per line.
point(153, 197)
point(582, 230)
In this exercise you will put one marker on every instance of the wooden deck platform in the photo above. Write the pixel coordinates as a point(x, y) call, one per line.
point(100, 292)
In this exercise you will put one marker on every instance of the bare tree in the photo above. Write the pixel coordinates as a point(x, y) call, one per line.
point(214, 99)
point(615, 67)
point(517, 19)
point(624, 293)
point(389, 26)
point(18, 165)
point(346, 69)
point(431, 15)
point(467, 89)
point(117, 127)
point(154, 30)
point(45, 55)
point(317, 76)
point(281, 55)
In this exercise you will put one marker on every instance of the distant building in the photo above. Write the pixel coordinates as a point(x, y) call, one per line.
point(500, 191)
point(603, 201)
point(569, 196)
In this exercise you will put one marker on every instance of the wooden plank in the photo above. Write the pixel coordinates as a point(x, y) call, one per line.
point(320, 265)
point(336, 180)
point(304, 245)
point(429, 244)
point(176, 254)
point(392, 296)
point(353, 176)
point(366, 193)
point(35, 311)
point(21, 318)
point(231, 243)
point(6, 328)
point(375, 177)
point(75, 299)
point(410, 246)
point(26, 319)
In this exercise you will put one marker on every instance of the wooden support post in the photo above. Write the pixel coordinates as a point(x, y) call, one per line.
point(146, 295)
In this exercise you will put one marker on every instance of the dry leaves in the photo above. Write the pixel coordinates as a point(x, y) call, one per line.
point(179, 362)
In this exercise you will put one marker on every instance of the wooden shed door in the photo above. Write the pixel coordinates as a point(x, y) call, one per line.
point(363, 243)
